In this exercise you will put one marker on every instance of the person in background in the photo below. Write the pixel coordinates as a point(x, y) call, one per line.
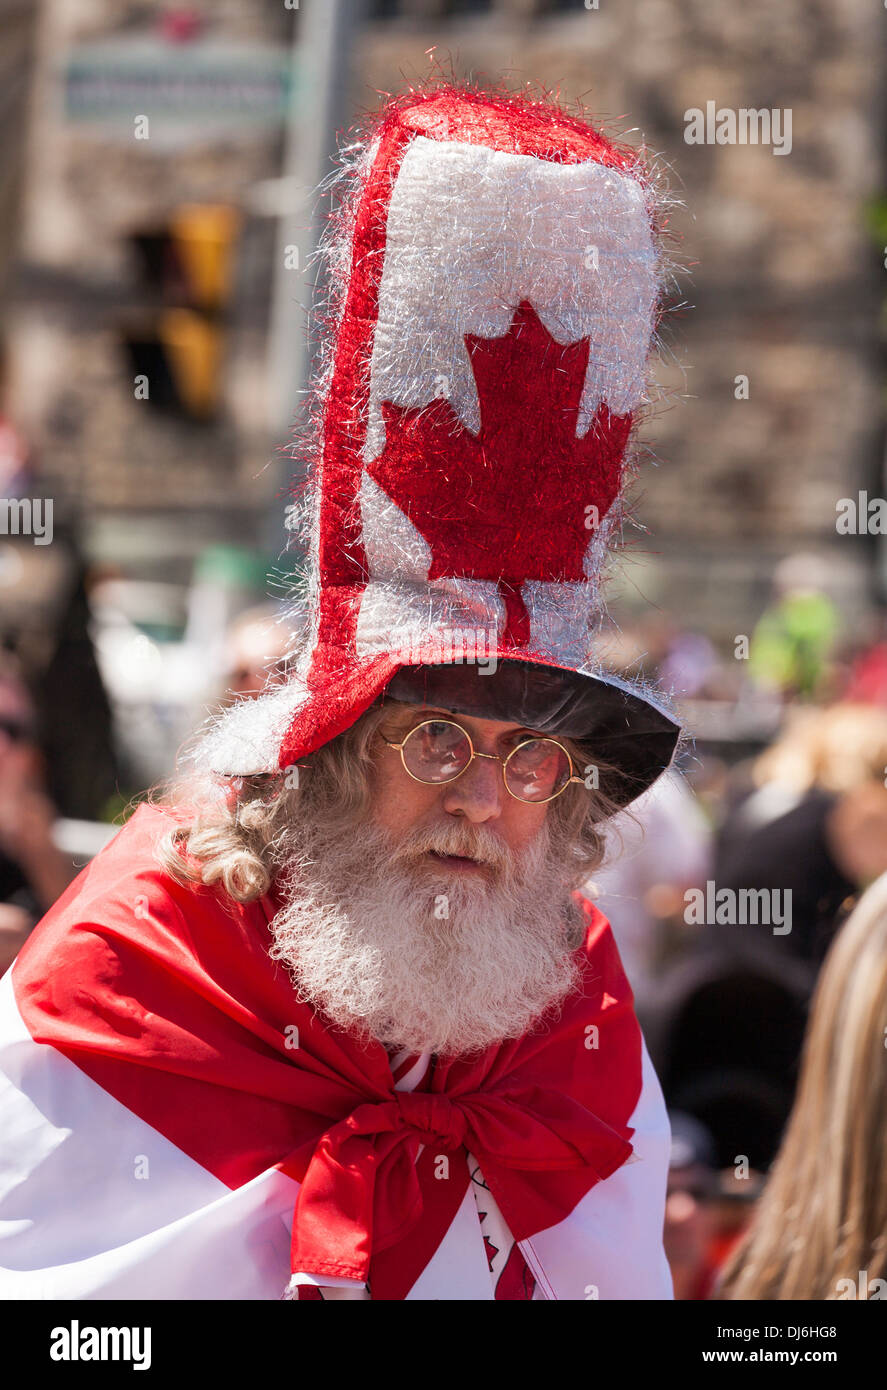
point(865, 680)
point(692, 1183)
point(33, 872)
point(814, 822)
point(16, 455)
point(820, 1228)
point(257, 643)
point(707, 1209)
point(655, 852)
point(794, 640)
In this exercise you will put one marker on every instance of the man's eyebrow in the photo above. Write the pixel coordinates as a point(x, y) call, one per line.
point(421, 715)
point(406, 716)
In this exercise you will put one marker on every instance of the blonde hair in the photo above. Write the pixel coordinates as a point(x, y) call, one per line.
point(836, 749)
point(228, 832)
point(823, 1214)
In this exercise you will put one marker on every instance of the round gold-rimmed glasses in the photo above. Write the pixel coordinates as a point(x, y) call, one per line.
point(438, 751)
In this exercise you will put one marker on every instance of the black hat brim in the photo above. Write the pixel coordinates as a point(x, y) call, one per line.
point(632, 735)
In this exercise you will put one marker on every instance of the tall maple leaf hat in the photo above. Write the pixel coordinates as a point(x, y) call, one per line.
point(495, 273)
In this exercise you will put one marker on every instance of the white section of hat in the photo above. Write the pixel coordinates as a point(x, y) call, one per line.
point(471, 232)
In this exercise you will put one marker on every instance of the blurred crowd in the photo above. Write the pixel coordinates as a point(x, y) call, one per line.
point(768, 1033)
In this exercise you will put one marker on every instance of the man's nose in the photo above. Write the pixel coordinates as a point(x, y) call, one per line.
point(478, 793)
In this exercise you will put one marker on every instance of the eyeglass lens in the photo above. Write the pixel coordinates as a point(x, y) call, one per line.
point(436, 751)
point(439, 751)
point(537, 770)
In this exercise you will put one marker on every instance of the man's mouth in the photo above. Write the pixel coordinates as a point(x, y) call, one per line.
point(457, 861)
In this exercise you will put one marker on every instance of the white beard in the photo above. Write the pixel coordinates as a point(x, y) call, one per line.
point(393, 947)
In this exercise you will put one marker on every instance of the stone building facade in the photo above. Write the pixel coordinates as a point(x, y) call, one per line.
point(781, 286)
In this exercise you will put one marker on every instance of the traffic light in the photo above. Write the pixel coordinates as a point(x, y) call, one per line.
point(175, 342)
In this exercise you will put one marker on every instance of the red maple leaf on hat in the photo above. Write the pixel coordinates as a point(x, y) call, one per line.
point(513, 501)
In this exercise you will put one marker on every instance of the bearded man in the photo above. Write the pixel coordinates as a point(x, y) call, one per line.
point(333, 1019)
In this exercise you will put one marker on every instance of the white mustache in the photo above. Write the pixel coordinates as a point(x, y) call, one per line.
point(484, 848)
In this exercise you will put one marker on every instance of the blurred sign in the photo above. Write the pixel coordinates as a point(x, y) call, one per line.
point(206, 88)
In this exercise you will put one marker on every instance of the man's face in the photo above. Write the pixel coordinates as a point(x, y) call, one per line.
point(478, 798)
point(439, 918)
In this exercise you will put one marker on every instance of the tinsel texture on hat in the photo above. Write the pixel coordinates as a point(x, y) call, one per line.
point(496, 276)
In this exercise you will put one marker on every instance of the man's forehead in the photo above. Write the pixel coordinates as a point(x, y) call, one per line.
point(415, 713)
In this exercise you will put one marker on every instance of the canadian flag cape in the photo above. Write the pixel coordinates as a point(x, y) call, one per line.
point(176, 1124)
